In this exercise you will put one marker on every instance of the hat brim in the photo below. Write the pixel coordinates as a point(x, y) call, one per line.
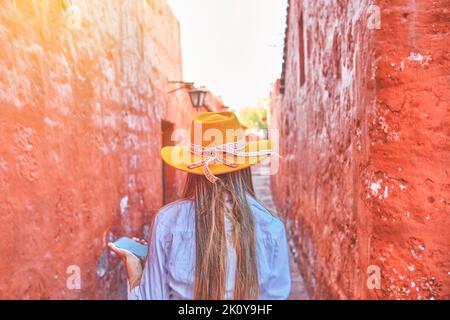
point(180, 158)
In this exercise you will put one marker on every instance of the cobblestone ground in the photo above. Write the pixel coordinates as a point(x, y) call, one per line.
point(261, 181)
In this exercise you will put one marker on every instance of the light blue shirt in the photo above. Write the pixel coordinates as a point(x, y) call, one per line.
point(169, 270)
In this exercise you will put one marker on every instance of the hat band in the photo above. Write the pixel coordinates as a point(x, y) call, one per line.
point(216, 154)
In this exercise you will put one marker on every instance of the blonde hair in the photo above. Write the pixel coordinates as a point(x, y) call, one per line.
point(211, 203)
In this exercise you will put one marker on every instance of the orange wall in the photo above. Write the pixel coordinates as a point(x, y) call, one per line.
point(364, 178)
point(80, 135)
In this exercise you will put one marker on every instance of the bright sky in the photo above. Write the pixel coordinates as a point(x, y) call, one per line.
point(233, 47)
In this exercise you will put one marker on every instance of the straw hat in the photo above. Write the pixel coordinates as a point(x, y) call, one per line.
point(217, 146)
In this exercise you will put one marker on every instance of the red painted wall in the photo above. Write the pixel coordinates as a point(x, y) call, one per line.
point(81, 111)
point(407, 179)
point(363, 180)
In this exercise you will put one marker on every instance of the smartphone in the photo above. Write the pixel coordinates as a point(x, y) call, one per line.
point(136, 248)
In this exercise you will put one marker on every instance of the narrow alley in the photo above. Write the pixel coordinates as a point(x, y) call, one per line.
point(354, 96)
point(261, 182)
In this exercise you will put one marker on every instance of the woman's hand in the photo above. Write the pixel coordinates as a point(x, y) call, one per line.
point(132, 263)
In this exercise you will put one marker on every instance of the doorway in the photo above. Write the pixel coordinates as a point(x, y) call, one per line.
point(169, 193)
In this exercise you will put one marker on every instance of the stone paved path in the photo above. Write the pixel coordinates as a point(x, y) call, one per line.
point(261, 181)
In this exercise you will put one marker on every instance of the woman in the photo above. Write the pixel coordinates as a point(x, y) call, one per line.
point(218, 241)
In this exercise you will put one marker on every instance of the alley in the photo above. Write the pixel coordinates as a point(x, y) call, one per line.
point(261, 181)
point(354, 96)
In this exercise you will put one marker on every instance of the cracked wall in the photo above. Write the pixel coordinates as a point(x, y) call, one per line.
point(82, 98)
point(409, 153)
point(363, 180)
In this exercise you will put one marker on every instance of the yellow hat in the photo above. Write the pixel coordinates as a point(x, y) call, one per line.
point(217, 146)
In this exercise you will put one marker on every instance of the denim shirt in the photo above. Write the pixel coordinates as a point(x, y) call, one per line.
point(169, 270)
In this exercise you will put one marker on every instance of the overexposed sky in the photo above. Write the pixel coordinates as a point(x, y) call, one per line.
point(233, 47)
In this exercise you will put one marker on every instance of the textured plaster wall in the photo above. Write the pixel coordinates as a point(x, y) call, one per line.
point(364, 176)
point(81, 103)
point(407, 180)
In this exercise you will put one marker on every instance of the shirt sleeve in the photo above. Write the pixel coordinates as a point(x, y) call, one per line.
point(279, 286)
point(153, 284)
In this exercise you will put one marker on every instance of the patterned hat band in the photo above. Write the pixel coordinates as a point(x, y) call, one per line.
point(229, 151)
point(216, 154)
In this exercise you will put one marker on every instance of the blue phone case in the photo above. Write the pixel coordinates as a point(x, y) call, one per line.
point(134, 247)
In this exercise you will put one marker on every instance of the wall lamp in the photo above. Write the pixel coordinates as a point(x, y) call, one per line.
point(197, 95)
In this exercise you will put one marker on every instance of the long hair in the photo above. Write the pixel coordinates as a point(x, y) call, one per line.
point(212, 202)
